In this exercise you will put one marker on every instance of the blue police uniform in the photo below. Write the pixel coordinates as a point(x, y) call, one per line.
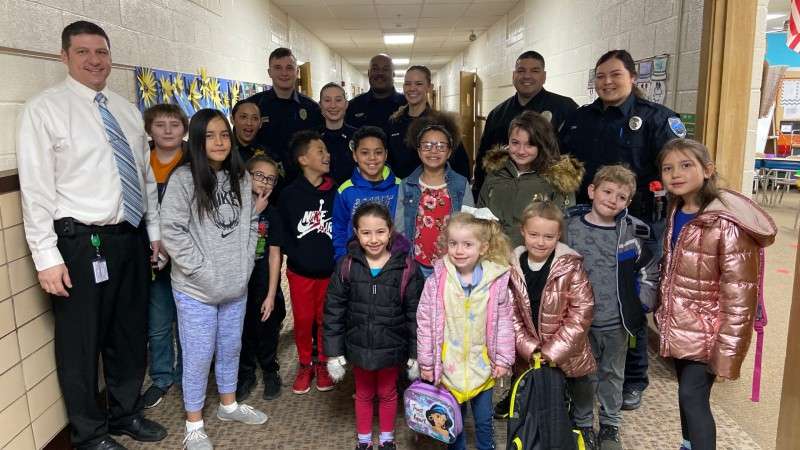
point(247, 151)
point(338, 144)
point(495, 132)
point(280, 119)
point(632, 133)
point(403, 159)
point(365, 109)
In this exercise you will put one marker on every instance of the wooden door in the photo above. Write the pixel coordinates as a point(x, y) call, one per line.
point(304, 79)
point(467, 114)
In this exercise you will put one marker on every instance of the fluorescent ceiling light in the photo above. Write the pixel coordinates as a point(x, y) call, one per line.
point(398, 39)
point(399, 80)
point(400, 73)
point(400, 61)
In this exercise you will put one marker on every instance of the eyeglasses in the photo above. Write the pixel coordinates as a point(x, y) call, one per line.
point(439, 147)
point(269, 180)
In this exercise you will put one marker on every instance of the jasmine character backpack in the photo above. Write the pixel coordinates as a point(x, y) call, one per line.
point(539, 412)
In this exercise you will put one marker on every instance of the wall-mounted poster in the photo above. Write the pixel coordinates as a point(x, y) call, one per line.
point(189, 91)
point(651, 79)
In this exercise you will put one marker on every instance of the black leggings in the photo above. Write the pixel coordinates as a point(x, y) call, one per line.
point(694, 390)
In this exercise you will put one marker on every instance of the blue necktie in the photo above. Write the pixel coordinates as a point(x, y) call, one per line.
point(126, 164)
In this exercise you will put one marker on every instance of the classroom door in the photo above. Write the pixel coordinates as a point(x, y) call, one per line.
point(304, 79)
point(467, 114)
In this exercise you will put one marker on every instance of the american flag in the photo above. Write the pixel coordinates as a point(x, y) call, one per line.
point(793, 33)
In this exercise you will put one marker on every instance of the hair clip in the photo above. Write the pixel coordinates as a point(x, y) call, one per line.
point(479, 213)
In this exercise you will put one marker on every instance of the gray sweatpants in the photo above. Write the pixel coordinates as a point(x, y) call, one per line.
point(205, 331)
point(609, 348)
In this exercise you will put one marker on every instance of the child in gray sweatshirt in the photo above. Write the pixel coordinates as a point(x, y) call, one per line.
point(209, 228)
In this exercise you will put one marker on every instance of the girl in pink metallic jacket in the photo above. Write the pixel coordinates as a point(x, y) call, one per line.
point(465, 328)
point(711, 276)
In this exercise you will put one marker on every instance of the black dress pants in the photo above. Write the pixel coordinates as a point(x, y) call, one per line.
point(107, 319)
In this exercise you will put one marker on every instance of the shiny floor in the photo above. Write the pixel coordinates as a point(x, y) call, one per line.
point(325, 420)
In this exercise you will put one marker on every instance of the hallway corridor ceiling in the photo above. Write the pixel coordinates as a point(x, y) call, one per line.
point(355, 28)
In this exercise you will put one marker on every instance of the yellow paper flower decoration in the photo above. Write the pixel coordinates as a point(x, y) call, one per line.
point(235, 92)
point(167, 89)
point(194, 94)
point(179, 87)
point(213, 92)
point(147, 86)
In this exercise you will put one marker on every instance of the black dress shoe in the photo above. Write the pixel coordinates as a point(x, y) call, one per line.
point(245, 387)
point(631, 400)
point(106, 444)
point(140, 429)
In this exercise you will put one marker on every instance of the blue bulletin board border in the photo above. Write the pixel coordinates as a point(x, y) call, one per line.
point(191, 92)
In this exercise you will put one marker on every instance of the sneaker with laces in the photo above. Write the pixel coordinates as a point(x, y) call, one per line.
point(243, 413)
point(608, 438)
point(388, 445)
point(589, 441)
point(153, 396)
point(197, 440)
point(324, 381)
point(302, 382)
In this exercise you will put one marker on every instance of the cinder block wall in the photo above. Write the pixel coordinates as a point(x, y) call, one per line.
point(571, 35)
point(229, 39)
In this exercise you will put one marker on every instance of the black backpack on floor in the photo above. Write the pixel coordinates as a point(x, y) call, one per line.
point(539, 411)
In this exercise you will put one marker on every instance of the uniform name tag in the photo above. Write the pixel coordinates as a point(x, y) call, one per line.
point(100, 270)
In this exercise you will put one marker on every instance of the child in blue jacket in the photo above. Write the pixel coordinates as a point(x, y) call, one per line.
point(372, 181)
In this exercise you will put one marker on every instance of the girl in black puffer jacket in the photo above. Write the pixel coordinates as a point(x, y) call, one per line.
point(370, 318)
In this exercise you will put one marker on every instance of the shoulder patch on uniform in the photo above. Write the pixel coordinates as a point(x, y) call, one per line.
point(359, 115)
point(677, 127)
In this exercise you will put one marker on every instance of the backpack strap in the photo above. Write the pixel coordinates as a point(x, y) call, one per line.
point(408, 270)
point(344, 273)
point(759, 324)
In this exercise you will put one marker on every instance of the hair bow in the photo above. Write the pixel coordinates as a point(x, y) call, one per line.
point(479, 213)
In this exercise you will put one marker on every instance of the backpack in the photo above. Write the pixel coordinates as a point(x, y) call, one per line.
point(539, 412)
point(432, 411)
point(408, 270)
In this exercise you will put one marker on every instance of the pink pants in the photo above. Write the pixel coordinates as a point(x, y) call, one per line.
point(370, 383)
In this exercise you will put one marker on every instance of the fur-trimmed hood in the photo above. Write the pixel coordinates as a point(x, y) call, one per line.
point(565, 175)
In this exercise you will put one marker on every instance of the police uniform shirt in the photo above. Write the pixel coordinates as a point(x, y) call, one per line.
point(632, 133)
point(365, 109)
point(404, 159)
point(67, 166)
point(495, 132)
point(281, 118)
point(338, 144)
point(247, 151)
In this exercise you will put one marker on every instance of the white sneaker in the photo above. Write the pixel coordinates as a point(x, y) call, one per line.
point(197, 440)
point(244, 413)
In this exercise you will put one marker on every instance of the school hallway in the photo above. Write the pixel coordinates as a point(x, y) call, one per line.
point(325, 420)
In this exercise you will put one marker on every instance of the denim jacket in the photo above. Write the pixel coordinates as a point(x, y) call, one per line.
point(409, 193)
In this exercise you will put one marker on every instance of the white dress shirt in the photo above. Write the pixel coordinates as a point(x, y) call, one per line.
point(67, 167)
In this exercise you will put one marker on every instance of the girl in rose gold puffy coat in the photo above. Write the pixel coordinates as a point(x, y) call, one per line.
point(710, 281)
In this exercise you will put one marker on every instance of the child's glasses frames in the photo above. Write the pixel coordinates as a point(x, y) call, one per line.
point(269, 180)
point(439, 147)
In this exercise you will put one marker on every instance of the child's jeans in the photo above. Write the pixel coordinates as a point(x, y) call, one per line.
point(308, 303)
point(165, 363)
point(484, 426)
point(209, 332)
point(370, 383)
point(694, 390)
point(609, 349)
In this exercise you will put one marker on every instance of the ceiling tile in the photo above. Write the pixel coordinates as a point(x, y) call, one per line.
point(482, 9)
point(400, 12)
point(354, 12)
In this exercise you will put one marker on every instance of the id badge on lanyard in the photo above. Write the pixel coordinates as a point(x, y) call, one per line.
point(99, 266)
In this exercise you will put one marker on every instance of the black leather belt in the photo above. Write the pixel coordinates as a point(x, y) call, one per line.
point(68, 227)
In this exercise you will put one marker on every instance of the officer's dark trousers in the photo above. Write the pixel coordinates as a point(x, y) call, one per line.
point(108, 319)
